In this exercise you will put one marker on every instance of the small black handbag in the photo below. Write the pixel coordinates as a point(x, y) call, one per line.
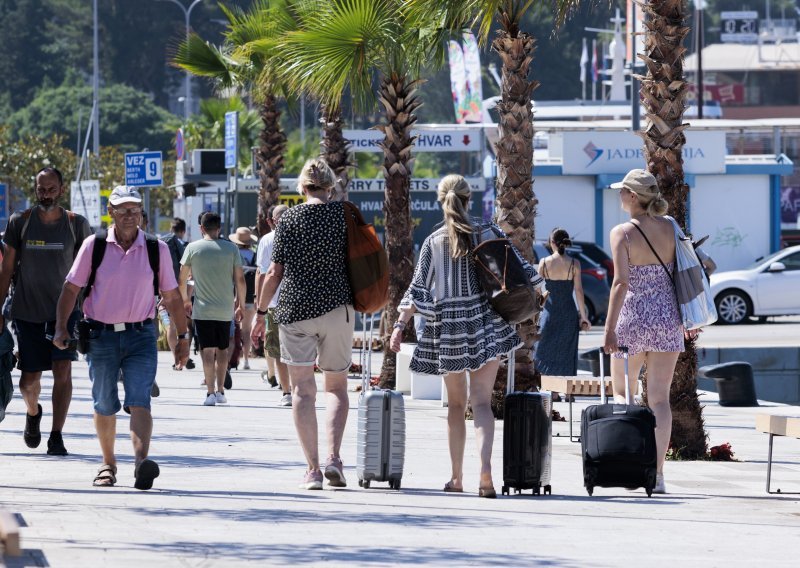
point(502, 275)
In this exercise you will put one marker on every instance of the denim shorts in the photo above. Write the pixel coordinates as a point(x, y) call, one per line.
point(133, 352)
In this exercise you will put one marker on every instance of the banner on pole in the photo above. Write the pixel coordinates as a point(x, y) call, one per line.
point(472, 64)
point(458, 79)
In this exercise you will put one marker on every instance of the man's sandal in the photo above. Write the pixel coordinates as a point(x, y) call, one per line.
point(106, 476)
point(145, 473)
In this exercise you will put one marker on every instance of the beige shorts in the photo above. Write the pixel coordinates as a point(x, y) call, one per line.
point(326, 340)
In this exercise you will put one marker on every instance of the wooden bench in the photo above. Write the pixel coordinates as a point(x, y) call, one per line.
point(775, 425)
point(581, 385)
point(9, 534)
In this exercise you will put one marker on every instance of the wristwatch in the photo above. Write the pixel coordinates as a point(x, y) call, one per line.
point(184, 335)
point(399, 325)
point(261, 312)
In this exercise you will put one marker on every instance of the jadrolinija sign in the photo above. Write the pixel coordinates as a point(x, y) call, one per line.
point(590, 153)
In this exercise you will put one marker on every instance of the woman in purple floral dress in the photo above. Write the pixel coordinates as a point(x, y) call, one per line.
point(643, 311)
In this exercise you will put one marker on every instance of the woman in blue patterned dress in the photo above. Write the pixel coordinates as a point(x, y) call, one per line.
point(643, 310)
point(462, 332)
point(557, 350)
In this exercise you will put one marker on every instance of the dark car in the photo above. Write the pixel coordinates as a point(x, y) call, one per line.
point(596, 289)
point(597, 254)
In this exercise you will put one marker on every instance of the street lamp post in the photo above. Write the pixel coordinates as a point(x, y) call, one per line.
point(187, 13)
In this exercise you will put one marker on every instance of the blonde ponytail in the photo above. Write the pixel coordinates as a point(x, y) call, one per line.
point(657, 207)
point(453, 194)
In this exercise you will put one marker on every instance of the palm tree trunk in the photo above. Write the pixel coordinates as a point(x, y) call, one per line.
point(272, 145)
point(397, 95)
point(516, 202)
point(334, 148)
point(663, 92)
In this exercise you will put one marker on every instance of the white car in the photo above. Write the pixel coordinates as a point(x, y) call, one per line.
point(769, 287)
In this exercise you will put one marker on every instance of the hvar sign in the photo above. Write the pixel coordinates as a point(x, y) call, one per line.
point(590, 153)
point(428, 140)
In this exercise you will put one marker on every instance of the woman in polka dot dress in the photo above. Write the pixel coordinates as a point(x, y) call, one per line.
point(315, 314)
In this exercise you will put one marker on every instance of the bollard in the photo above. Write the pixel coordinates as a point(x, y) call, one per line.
point(735, 384)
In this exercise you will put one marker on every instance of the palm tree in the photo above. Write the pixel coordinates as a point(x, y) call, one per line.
point(340, 49)
point(233, 66)
point(663, 94)
point(516, 201)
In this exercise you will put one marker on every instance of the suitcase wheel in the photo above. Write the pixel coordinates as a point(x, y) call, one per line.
point(394, 484)
point(365, 484)
point(548, 490)
point(361, 483)
point(504, 490)
point(589, 490)
point(649, 491)
point(536, 490)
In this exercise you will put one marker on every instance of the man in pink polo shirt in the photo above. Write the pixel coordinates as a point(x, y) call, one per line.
point(119, 309)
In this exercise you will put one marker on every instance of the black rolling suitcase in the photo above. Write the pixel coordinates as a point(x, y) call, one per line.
point(618, 442)
point(527, 438)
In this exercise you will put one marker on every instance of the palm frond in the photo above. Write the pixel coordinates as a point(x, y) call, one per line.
point(340, 51)
point(201, 58)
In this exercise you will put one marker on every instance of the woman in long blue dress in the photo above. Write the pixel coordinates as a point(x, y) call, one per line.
point(561, 319)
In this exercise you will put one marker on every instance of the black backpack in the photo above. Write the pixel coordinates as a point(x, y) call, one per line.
point(99, 251)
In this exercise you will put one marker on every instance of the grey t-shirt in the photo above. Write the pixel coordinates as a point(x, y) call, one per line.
point(212, 263)
point(45, 255)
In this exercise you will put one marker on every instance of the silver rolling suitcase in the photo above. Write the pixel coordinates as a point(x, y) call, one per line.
point(381, 427)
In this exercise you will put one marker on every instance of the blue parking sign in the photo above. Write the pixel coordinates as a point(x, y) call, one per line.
point(231, 138)
point(143, 169)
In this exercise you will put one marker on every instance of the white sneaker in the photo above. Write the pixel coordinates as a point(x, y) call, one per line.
point(286, 400)
point(211, 400)
point(221, 398)
point(660, 487)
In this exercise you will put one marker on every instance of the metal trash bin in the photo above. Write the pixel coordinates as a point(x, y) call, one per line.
point(593, 357)
point(734, 380)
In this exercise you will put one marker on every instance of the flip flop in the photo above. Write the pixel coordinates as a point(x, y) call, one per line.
point(450, 488)
point(106, 476)
point(487, 493)
point(145, 473)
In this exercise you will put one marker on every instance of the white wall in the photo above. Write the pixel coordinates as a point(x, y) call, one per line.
point(567, 202)
point(734, 211)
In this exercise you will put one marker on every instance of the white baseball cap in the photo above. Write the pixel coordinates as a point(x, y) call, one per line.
point(124, 194)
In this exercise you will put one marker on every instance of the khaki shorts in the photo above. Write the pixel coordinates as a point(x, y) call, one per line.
point(272, 344)
point(328, 337)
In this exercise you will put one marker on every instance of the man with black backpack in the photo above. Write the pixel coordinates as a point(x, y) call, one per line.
point(122, 270)
point(40, 245)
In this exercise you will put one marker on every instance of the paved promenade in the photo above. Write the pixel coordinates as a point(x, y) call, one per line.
point(228, 496)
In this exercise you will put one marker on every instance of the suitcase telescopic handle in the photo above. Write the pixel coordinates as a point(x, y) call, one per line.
point(510, 373)
point(603, 397)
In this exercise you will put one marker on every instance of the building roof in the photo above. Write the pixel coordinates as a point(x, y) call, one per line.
point(747, 57)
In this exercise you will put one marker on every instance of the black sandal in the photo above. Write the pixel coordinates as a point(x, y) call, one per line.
point(145, 473)
point(106, 476)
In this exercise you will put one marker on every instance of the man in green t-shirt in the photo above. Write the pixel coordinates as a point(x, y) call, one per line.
point(216, 268)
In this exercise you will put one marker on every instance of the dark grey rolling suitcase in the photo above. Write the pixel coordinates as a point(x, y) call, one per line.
point(381, 428)
point(618, 442)
point(527, 438)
